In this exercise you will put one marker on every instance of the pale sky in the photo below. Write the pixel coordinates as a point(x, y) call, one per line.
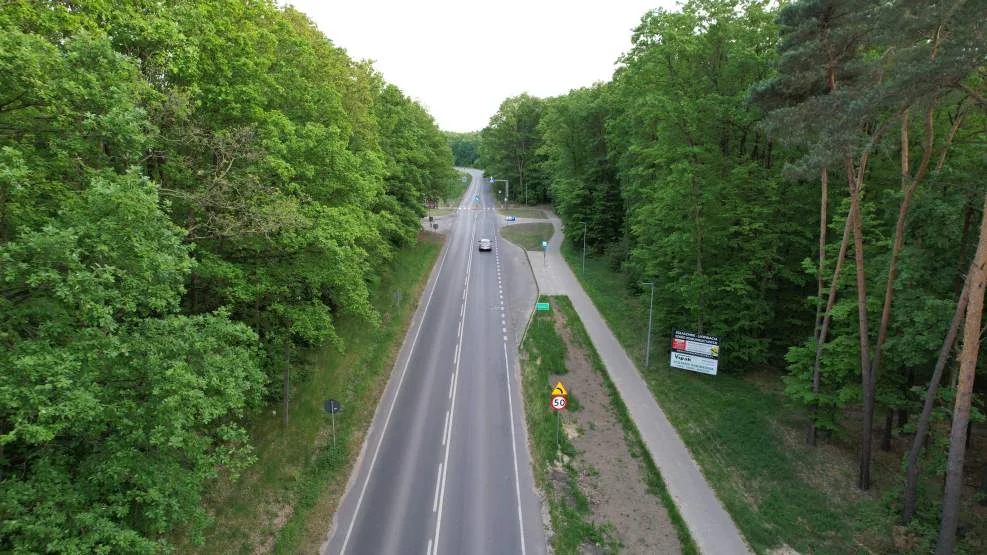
point(461, 59)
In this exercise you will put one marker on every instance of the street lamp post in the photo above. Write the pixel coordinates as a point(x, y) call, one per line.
point(584, 248)
point(507, 188)
point(647, 352)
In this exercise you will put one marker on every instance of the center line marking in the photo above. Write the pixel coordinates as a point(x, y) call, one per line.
point(390, 410)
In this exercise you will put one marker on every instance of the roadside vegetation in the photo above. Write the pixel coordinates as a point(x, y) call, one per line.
point(528, 236)
point(801, 180)
point(194, 198)
point(533, 213)
point(286, 500)
point(559, 472)
point(746, 436)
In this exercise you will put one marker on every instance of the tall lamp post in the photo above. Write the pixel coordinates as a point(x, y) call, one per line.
point(647, 352)
point(507, 188)
point(584, 247)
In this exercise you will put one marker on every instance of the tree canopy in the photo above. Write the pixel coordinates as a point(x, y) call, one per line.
point(188, 191)
point(713, 165)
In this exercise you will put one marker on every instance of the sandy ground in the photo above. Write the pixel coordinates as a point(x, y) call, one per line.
point(610, 478)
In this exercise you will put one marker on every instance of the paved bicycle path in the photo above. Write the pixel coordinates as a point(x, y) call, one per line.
point(710, 525)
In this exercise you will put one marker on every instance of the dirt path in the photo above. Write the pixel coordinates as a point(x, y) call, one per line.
point(611, 477)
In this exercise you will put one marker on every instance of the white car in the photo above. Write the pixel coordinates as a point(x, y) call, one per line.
point(486, 245)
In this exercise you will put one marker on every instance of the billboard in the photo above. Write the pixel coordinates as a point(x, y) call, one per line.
point(695, 352)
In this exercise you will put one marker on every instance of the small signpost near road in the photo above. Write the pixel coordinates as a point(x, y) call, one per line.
point(560, 400)
point(695, 352)
point(332, 406)
point(544, 250)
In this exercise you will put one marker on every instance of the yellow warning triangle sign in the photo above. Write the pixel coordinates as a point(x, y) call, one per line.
point(559, 389)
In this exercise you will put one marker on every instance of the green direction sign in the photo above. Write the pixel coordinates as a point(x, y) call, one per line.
point(541, 306)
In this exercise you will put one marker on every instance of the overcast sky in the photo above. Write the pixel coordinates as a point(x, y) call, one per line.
point(461, 59)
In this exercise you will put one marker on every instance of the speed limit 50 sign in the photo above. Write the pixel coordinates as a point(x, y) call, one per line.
point(560, 397)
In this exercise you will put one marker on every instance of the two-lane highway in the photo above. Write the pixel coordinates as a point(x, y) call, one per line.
point(445, 468)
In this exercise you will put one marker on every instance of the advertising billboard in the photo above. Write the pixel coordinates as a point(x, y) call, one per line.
point(695, 352)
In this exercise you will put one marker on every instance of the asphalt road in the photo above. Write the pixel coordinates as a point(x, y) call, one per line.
point(445, 467)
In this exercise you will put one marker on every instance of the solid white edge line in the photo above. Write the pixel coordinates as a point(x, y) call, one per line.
point(429, 550)
point(445, 429)
point(390, 411)
point(517, 475)
point(435, 498)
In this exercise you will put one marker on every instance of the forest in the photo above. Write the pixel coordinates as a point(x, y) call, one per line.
point(804, 181)
point(190, 194)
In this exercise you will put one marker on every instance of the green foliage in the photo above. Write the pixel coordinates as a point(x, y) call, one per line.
point(188, 192)
point(465, 148)
point(528, 236)
point(509, 148)
point(583, 179)
point(115, 409)
point(698, 166)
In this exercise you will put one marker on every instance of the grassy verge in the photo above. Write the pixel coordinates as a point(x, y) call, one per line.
point(285, 502)
point(441, 211)
point(747, 439)
point(544, 357)
point(533, 213)
point(459, 189)
point(528, 236)
point(635, 445)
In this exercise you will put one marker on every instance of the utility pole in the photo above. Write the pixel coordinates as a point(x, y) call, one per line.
point(584, 247)
point(507, 188)
point(647, 352)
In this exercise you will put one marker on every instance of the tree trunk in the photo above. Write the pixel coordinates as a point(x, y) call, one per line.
point(905, 391)
point(824, 327)
point(983, 486)
point(908, 185)
point(888, 428)
point(922, 430)
point(697, 193)
point(867, 382)
point(287, 380)
point(946, 542)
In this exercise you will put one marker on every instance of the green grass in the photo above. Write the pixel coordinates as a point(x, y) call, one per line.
point(528, 236)
point(544, 357)
point(441, 211)
point(458, 189)
point(653, 479)
point(777, 490)
point(533, 213)
point(296, 466)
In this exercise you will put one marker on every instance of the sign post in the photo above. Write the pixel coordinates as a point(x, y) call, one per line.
point(332, 406)
point(544, 250)
point(560, 400)
point(695, 352)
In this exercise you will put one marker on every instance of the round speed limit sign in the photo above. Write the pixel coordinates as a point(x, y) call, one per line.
point(559, 402)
